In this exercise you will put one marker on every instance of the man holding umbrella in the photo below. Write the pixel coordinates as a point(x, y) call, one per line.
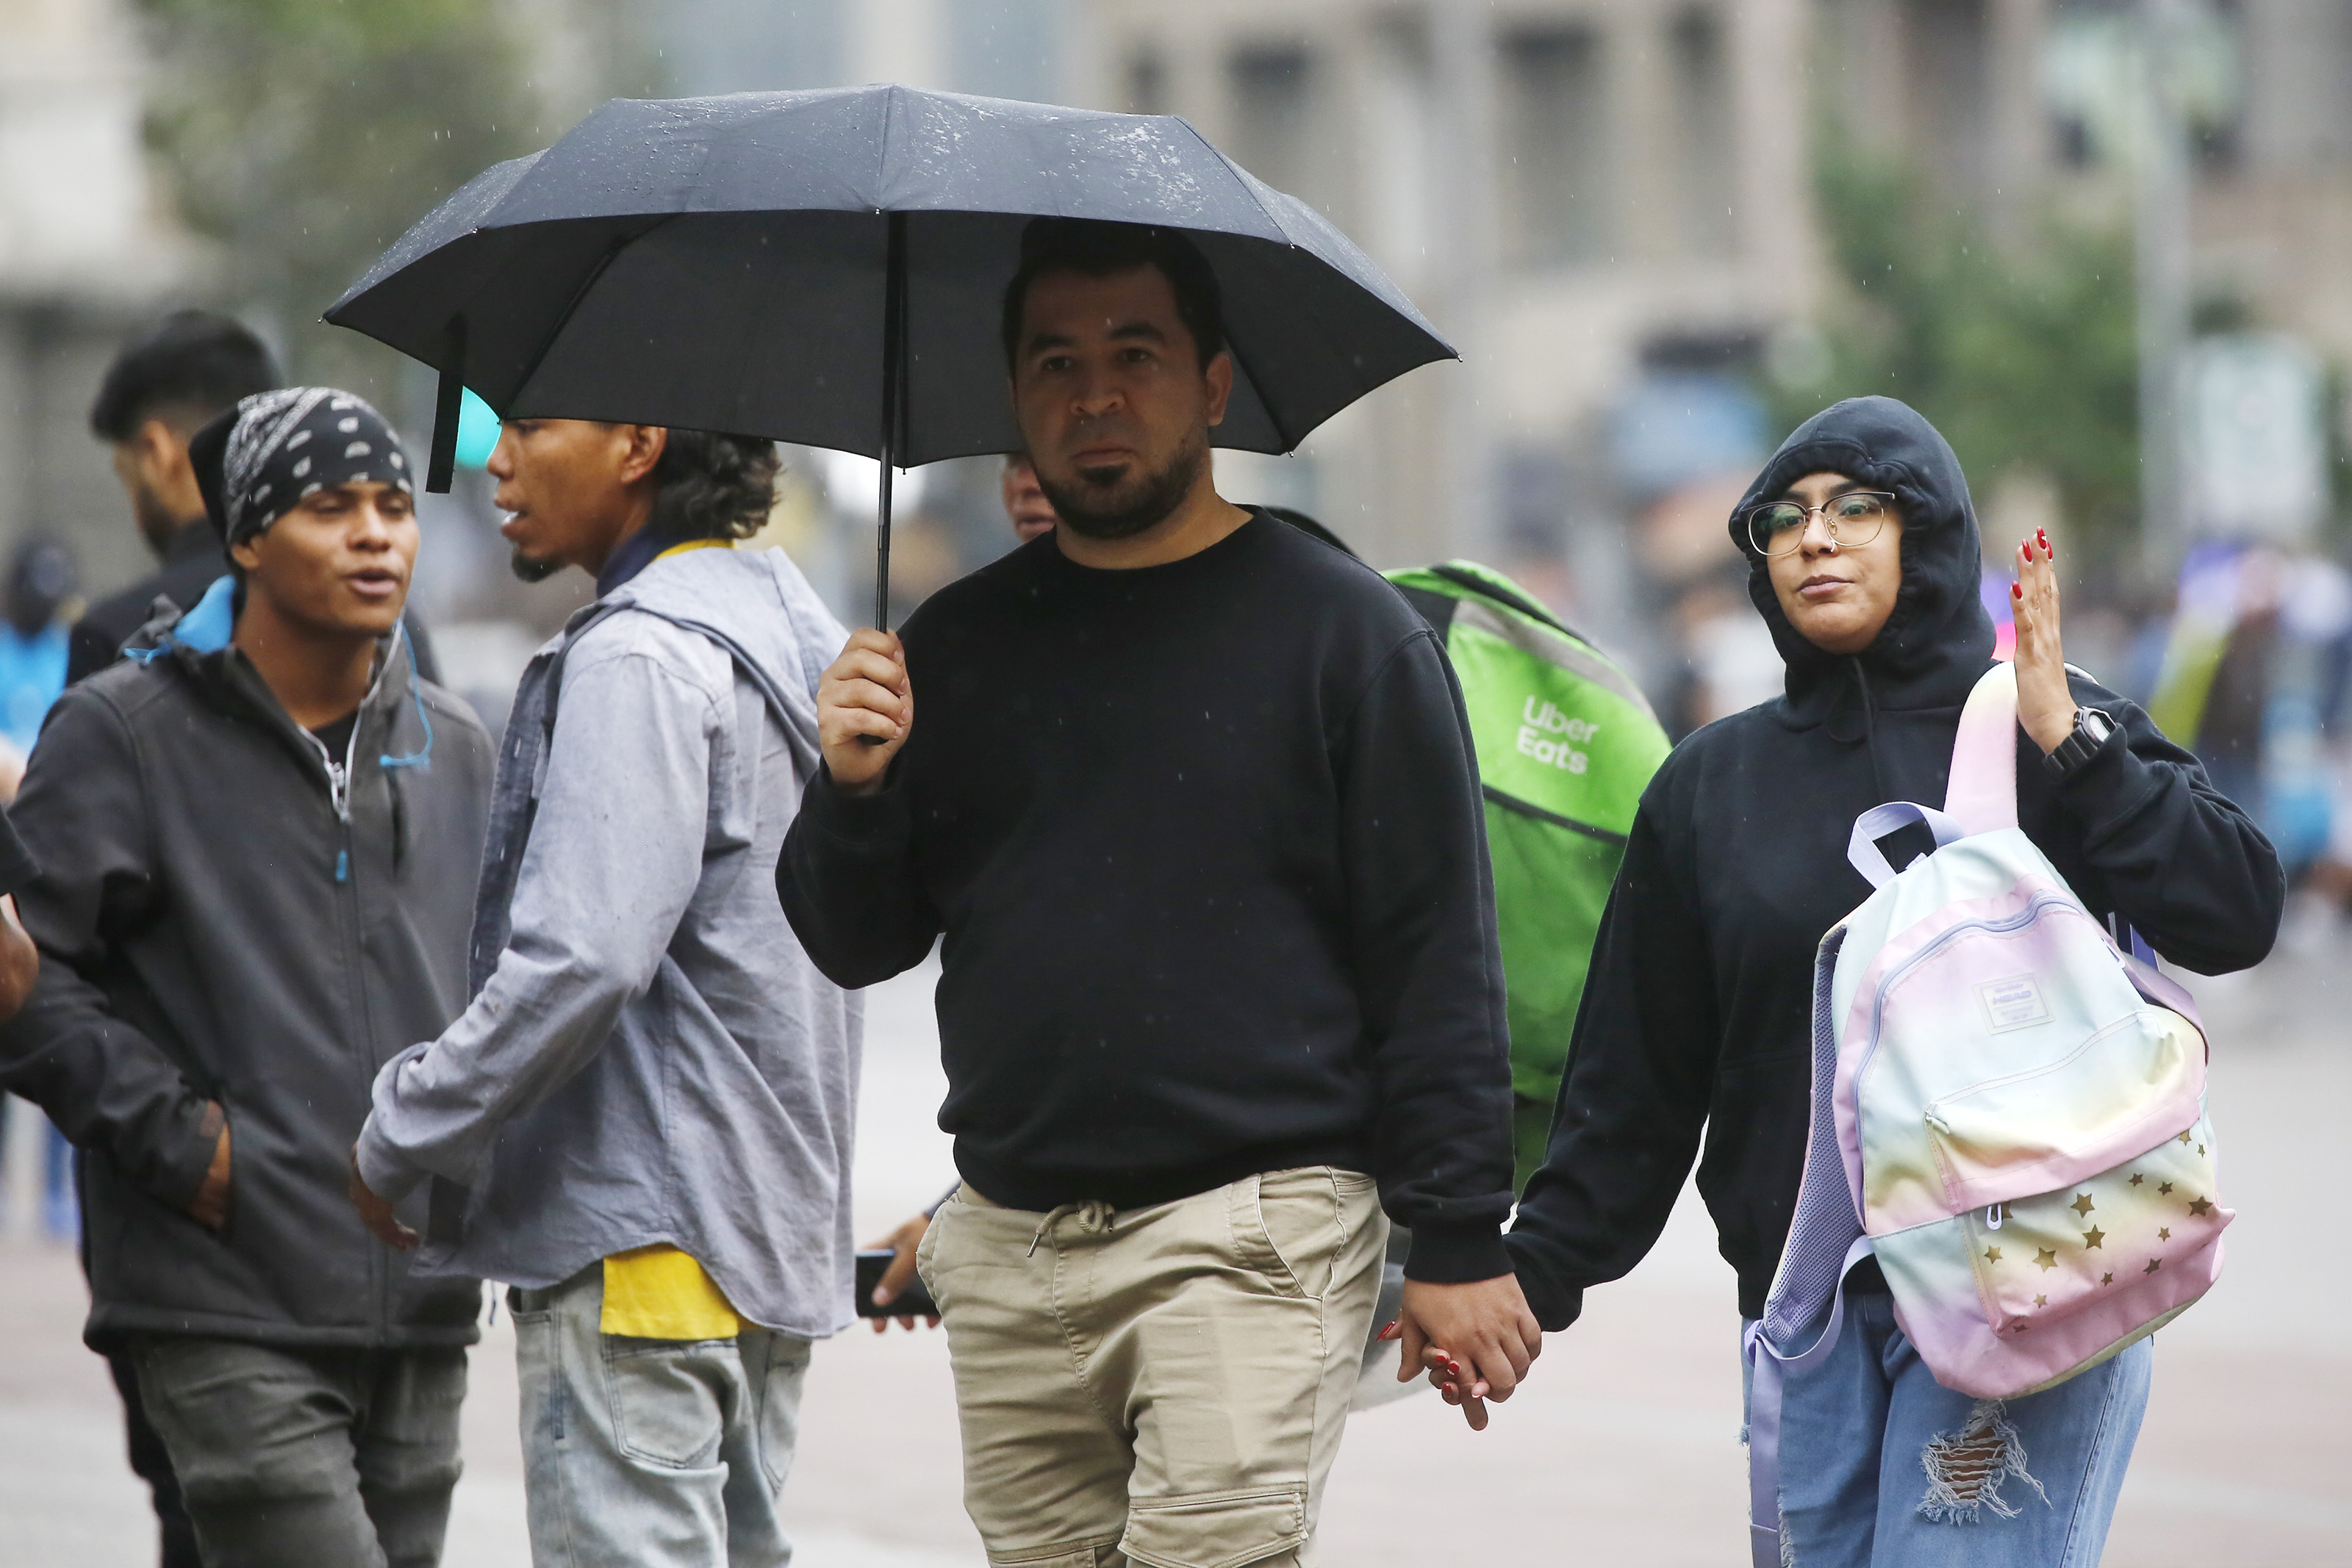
point(1193, 800)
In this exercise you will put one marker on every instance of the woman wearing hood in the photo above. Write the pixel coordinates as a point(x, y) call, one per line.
point(1864, 559)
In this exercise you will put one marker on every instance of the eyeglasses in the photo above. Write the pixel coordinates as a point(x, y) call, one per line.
point(1854, 519)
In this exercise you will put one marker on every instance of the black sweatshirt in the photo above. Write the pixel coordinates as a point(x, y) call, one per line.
point(1699, 1009)
point(1206, 843)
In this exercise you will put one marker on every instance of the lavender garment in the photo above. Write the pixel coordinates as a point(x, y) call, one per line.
point(649, 1056)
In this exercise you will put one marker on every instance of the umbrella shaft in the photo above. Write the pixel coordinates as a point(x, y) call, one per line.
point(894, 355)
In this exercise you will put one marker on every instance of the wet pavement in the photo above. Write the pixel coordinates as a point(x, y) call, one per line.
point(1623, 1449)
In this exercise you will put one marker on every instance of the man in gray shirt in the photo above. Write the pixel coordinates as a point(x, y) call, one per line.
point(643, 1121)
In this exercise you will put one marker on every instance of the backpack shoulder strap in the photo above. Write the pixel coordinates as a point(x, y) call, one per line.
point(1982, 793)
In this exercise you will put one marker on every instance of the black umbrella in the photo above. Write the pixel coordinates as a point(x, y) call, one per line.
point(826, 268)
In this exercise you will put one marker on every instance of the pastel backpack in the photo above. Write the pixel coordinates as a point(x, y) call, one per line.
point(2008, 1112)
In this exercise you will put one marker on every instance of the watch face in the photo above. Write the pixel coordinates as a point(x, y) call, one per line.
point(2096, 725)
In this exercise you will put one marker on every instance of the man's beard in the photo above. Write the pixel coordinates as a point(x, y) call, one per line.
point(157, 526)
point(1124, 504)
point(531, 570)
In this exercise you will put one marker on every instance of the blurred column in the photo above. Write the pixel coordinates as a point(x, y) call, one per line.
point(1462, 48)
point(904, 41)
point(2019, 122)
point(2162, 262)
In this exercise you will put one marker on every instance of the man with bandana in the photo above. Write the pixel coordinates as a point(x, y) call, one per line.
point(258, 837)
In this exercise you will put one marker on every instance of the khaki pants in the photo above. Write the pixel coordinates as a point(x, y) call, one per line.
point(1163, 1386)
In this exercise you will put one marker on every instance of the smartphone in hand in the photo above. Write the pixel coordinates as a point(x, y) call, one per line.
point(914, 1302)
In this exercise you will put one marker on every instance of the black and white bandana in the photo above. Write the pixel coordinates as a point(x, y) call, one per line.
point(289, 443)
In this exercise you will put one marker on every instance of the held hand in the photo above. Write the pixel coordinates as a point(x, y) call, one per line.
point(1482, 1334)
point(209, 1207)
point(2045, 707)
point(895, 1279)
point(865, 709)
point(1445, 1377)
point(375, 1213)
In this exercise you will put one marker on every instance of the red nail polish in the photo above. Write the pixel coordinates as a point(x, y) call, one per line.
point(2015, 592)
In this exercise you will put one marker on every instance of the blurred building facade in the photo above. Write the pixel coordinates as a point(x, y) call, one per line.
point(1577, 193)
point(86, 252)
point(1609, 204)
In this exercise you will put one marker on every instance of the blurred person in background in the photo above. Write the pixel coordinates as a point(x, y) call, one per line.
point(259, 838)
point(36, 621)
point(643, 1121)
point(164, 385)
point(20, 960)
point(188, 369)
point(1026, 504)
point(33, 622)
point(1864, 559)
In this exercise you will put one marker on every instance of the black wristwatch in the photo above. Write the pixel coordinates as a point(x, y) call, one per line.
point(2091, 730)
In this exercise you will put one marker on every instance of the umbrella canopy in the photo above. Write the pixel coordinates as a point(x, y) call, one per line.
point(827, 268)
point(720, 264)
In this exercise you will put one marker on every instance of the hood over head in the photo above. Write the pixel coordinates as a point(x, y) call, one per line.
point(1938, 639)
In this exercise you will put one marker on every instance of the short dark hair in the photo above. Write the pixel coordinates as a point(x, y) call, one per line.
point(712, 486)
point(192, 362)
point(1099, 249)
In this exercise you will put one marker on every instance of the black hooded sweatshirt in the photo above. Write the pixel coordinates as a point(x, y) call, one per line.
point(1699, 1011)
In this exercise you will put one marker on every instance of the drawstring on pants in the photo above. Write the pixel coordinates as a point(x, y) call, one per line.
point(1093, 1215)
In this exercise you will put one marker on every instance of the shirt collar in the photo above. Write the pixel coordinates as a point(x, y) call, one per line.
point(632, 556)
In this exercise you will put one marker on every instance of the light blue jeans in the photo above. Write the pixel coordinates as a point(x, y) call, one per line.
point(648, 1453)
point(1883, 1467)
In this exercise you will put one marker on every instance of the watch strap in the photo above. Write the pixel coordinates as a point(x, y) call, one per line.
point(2080, 745)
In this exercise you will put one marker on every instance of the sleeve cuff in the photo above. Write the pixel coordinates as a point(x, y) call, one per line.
point(1555, 1306)
point(1455, 1255)
point(2103, 788)
point(389, 1174)
point(873, 824)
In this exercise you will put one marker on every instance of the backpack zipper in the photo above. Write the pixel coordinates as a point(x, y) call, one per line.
point(2018, 921)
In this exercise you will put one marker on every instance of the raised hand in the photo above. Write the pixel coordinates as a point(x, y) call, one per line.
point(2045, 707)
point(1480, 1337)
point(865, 709)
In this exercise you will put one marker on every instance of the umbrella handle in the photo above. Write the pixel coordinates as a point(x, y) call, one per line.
point(882, 549)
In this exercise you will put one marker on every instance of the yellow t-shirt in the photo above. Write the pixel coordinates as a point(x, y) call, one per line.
point(660, 1292)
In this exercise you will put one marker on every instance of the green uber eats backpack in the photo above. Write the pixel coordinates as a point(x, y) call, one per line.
point(1566, 745)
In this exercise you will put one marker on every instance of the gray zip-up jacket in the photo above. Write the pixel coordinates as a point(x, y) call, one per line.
point(227, 913)
point(649, 1056)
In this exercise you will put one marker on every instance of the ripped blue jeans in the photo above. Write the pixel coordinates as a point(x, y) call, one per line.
point(1883, 1467)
